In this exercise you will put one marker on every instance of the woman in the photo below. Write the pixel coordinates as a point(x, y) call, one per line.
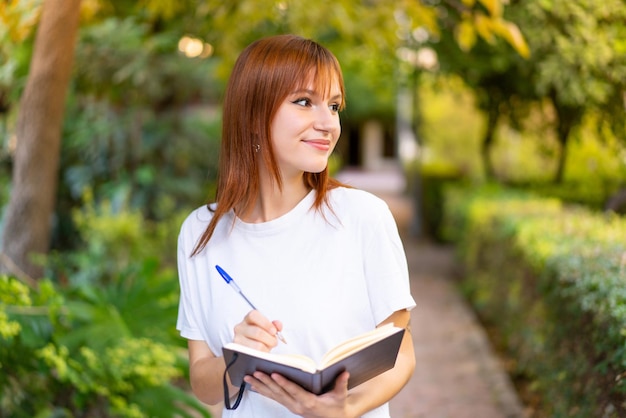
point(322, 262)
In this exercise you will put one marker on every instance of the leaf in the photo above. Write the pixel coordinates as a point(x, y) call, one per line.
point(165, 9)
point(494, 7)
point(89, 10)
point(512, 34)
point(483, 26)
point(517, 40)
point(465, 35)
point(19, 19)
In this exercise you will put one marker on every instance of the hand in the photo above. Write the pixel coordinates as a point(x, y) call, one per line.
point(301, 402)
point(256, 331)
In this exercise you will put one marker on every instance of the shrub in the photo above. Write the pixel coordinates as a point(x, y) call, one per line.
point(98, 339)
point(551, 278)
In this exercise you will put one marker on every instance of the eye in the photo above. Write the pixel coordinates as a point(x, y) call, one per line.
point(303, 101)
point(335, 107)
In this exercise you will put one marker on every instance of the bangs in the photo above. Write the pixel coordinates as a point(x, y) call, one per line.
point(308, 63)
point(322, 77)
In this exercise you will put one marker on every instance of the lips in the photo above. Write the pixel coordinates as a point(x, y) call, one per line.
point(320, 144)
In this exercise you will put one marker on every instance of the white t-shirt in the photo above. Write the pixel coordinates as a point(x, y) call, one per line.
point(327, 276)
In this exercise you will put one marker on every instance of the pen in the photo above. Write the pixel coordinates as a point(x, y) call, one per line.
point(231, 282)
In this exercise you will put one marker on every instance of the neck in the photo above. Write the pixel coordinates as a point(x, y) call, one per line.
point(273, 202)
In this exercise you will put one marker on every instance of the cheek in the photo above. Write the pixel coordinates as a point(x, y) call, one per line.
point(337, 130)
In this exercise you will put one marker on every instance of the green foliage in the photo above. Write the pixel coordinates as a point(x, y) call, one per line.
point(156, 162)
point(124, 273)
point(450, 125)
point(17, 25)
point(595, 167)
point(578, 54)
point(99, 340)
point(139, 147)
point(524, 155)
point(551, 278)
point(122, 60)
point(576, 67)
point(427, 182)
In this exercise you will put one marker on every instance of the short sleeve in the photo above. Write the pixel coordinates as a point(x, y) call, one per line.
point(186, 323)
point(386, 267)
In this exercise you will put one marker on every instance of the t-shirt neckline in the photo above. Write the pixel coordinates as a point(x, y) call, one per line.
point(282, 221)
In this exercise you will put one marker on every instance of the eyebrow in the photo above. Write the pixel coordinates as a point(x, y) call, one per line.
point(312, 92)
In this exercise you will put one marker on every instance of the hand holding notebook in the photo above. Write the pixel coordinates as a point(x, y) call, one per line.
point(364, 357)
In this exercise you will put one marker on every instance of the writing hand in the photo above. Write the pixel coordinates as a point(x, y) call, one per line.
point(256, 331)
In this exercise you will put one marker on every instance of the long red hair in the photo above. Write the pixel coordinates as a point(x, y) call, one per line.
point(265, 73)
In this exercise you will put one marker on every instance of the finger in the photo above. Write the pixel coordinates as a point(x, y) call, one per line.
point(256, 318)
point(266, 386)
point(292, 389)
point(341, 384)
point(256, 331)
point(278, 325)
point(279, 328)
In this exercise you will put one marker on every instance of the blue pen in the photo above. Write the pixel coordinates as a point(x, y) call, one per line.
point(231, 282)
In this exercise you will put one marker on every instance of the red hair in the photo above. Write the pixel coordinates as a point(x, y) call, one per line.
point(265, 73)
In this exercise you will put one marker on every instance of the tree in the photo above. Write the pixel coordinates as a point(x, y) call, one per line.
point(17, 22)
point(358, 31)
point(578, 53)
point(29, 213)
point(576, 64)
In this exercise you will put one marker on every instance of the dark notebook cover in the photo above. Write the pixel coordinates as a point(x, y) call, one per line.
point(362, 365)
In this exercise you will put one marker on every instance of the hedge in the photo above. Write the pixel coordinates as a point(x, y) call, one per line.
point(98, 338)
point(551, 279)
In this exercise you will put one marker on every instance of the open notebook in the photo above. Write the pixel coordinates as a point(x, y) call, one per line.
point(364, 356)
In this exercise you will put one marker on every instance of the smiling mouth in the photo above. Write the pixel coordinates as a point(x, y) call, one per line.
point(321, 144)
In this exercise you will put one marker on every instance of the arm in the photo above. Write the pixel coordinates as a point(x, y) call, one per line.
point(205, 373)
point(206, 370)
point(340, 401)
point(384, 387)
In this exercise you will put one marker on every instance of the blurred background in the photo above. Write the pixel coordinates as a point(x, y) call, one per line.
point(114, 106)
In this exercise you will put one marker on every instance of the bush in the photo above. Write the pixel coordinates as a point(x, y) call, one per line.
point(98, 339)
point(551, 279)
point(433, 179)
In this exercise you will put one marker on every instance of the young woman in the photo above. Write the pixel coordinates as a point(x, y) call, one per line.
point(322, 262)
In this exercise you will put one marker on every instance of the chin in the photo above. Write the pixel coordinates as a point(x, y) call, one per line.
point(316, 170)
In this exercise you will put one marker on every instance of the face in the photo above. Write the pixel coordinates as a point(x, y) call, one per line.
point(306, 128)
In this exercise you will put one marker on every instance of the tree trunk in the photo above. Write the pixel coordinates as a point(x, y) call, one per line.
point(27, 225)
point(564, 126)
point(485, 151)
point(568, 117)
point(617, 202)
point(562, 158)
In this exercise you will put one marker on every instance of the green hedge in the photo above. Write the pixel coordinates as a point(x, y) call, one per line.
point(97, 339)
point(426, 183)
point(552, 279)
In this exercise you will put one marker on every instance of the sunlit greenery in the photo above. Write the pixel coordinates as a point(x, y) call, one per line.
point(98, 340)
point(550, 278)
point(140, 150)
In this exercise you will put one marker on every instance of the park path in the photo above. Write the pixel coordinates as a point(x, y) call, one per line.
point(457, 373)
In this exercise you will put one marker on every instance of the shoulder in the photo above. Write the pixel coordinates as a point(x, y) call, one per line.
point(195, 223)
point(355, 202)
point(356, 197)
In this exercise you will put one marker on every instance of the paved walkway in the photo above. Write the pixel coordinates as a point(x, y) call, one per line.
point(457, 374)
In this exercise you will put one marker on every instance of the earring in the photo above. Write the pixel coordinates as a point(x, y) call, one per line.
point(257, 147)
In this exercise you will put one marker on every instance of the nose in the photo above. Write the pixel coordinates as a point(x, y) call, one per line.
point(326, 120)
